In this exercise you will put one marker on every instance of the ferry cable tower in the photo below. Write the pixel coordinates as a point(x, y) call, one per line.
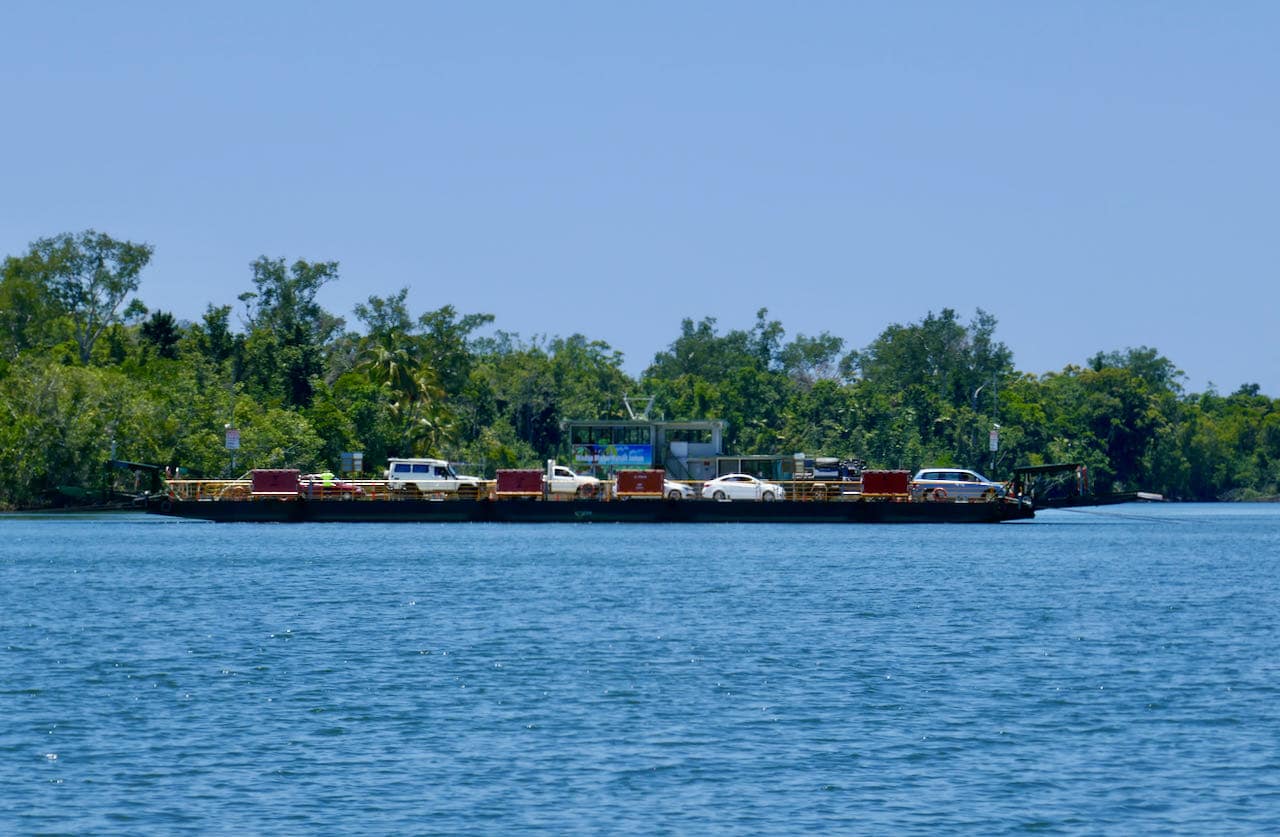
point(644, 415)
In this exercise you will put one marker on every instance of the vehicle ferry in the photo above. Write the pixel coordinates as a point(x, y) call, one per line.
point(528, 496)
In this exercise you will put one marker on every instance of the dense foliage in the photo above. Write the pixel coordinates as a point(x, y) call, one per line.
point(87, 374)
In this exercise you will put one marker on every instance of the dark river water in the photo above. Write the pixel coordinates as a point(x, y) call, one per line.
point(1114, 670)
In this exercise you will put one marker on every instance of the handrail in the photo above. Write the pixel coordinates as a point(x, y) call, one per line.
point(806, 490)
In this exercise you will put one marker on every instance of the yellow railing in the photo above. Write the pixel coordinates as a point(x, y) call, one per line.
point(242, 489)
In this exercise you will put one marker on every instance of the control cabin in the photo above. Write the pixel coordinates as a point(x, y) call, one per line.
point(686, 450)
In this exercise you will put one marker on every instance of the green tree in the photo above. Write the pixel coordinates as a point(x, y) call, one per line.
point(390, 361)
point(423, 368)
point(29, 316)
point(275, 438)
point(1158, 373)
point(161, 331)
point(824, 419)
point(808, 360)
point(702, 353)
point(87, 276)
point(940, 359)
point(736, 377)
point(212, 337)
point(931, 389)
point(588, 378)
point(385, 315)
point(445, 345)
point(288, 329)
point(519, 378)
point(374, 426)
point(57, 424)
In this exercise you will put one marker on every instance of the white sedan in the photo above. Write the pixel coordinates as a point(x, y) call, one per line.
point(673, 490)
point(741, 487)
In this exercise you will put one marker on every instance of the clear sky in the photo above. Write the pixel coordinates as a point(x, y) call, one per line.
point(1097, 175)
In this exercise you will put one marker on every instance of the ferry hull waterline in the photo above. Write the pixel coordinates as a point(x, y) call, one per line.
point(302, 510)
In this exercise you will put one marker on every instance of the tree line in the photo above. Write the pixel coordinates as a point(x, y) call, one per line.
point(88, 373)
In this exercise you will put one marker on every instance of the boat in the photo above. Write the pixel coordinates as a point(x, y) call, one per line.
point(278, 497)
point(302, 510)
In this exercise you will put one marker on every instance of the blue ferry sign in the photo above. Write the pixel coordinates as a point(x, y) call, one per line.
point(616, 455)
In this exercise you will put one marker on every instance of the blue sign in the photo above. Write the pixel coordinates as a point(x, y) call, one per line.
point(632, 455)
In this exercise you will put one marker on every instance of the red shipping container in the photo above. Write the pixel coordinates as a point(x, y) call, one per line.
point(519, 483)
point(886, 482)
point(275, 481)
point(640, 483)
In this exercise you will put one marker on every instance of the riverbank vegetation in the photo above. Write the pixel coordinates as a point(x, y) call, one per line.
point(89, 373)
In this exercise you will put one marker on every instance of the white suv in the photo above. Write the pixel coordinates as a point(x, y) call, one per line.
point(428, 476)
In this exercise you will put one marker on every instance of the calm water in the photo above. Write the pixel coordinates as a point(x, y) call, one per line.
point(1106, 671)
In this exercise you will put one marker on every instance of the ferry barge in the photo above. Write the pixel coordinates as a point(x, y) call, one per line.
point(523, 497)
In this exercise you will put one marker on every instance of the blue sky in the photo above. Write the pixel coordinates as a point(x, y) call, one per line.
point(1096, 175)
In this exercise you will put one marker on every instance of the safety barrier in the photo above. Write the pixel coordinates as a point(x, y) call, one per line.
point(242, 489)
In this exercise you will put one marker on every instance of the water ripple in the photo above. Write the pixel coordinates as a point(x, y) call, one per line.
point(1081, 673)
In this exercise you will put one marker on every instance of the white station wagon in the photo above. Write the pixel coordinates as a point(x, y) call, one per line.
point(954, 484)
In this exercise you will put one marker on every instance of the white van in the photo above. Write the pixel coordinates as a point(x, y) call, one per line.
point(428, 476)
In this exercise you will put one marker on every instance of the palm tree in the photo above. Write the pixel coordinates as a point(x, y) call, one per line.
point(428, 421)
point(390, 359)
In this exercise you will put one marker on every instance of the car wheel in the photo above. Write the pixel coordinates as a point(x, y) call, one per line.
point(768, 497)
point(673, 494)
point(719, 495)
point(586, 492)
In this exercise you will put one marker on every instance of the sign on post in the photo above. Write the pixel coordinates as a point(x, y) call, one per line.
point(233, 438)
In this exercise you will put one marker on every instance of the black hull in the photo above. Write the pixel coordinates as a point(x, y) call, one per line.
point(584, 511)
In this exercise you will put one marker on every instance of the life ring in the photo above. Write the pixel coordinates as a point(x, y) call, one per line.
point(938, 494)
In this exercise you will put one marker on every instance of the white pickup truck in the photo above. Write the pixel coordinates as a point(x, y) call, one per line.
point(429, 476)
point(562, 480)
